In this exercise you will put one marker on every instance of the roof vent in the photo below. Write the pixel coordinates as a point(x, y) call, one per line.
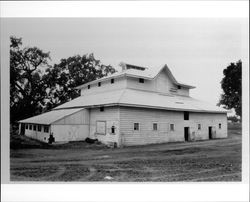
point(129, 66)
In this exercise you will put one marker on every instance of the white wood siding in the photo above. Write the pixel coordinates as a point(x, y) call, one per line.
point(119, 83)
point(146, 118)
point(133, 83)
point(38, 135)
point(111, 116)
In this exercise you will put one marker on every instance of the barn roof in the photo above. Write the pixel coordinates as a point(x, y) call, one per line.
point(138, 98)
point(50, 117)
point(148, 73)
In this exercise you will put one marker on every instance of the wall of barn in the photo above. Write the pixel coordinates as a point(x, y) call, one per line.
point(163, 118)
point(38, 135)
point(119, 83)
point(109, 117)
point(74, 127)
point(206, 120)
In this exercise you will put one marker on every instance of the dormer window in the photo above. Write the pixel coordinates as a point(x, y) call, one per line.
point(88, 86)
point(141, 80)
point(112, 81)
point(99, 84)
point(179, 87)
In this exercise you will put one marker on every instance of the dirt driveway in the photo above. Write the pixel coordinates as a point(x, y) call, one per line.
point(213, 160)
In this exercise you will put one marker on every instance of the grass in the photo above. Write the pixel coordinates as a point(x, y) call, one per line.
point(214, 160)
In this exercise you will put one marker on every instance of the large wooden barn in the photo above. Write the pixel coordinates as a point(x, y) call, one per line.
point(136, 106)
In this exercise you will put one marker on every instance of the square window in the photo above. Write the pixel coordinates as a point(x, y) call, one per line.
point(171, 127)
point(99, 84)
point(39, 127)
point(34, 127)
point(141, 80)
point(155, 126)
point(186, 115)
point(88, 86)
point(30, 127)
point(199, 126)
point(136, 126)
point(219, 125)
point(46, 129)
point(112, 81)
point(101, 127)
point(101, 109)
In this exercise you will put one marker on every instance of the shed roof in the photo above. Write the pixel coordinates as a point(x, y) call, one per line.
point(50, 117)
point(148, 73)
point(138, 98)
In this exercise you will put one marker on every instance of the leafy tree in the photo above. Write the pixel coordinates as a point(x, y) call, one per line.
point(231, 85)
point(26, 84)
point(61, 79)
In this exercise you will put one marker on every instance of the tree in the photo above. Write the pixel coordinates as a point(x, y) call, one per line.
point(61, 79)
point(26, 84)
point(231, 85)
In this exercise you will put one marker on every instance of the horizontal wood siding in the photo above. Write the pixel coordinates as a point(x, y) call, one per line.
point(110, 116)
point(119, 83)
point(146, 118)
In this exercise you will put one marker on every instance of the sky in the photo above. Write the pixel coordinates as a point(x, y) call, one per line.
point(195, 49)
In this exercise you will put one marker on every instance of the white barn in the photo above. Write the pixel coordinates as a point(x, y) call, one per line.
point(136, 106)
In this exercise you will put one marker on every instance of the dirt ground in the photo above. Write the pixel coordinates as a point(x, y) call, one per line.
point(211, 160)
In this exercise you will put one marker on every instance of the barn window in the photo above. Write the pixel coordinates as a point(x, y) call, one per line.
point(26, 126)
point(88, 86)
point(219, 125)
point(199, 126)
point(34, 127)
point(141, 80)
point(101, 109)
point(101, 127)
point(186, 115)
point(39, 127)
point(112, 80)
point(46, 129)
point(155, 126)
point(99, 84)
point(113, 130)
point(179, 87)
point(30, 126)
point(136, 126)
point(171, 127)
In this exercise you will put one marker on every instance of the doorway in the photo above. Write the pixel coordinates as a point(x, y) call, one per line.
point(210, 132)
point(186, 133)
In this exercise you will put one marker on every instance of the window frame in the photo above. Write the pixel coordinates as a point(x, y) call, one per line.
point(134, 126)
point(34, 127)
point(155, 123)
point(39, 128)
point(112, 128)
point(141, 80)
point(186, 116)
point(30, 127)
point(105, 128)
point(170, 128)
point(45, 129)
point(26, 126)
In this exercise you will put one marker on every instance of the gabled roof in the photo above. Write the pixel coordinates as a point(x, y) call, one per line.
point(138, 98)
point(148, 73)
point(50, 117)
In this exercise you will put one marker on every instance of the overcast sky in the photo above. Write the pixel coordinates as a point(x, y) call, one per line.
point(196, 50)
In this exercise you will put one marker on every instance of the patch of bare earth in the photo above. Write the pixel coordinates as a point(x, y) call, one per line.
point(212, 160)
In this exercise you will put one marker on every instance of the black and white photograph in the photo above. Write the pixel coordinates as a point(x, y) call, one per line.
point(125, 100)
